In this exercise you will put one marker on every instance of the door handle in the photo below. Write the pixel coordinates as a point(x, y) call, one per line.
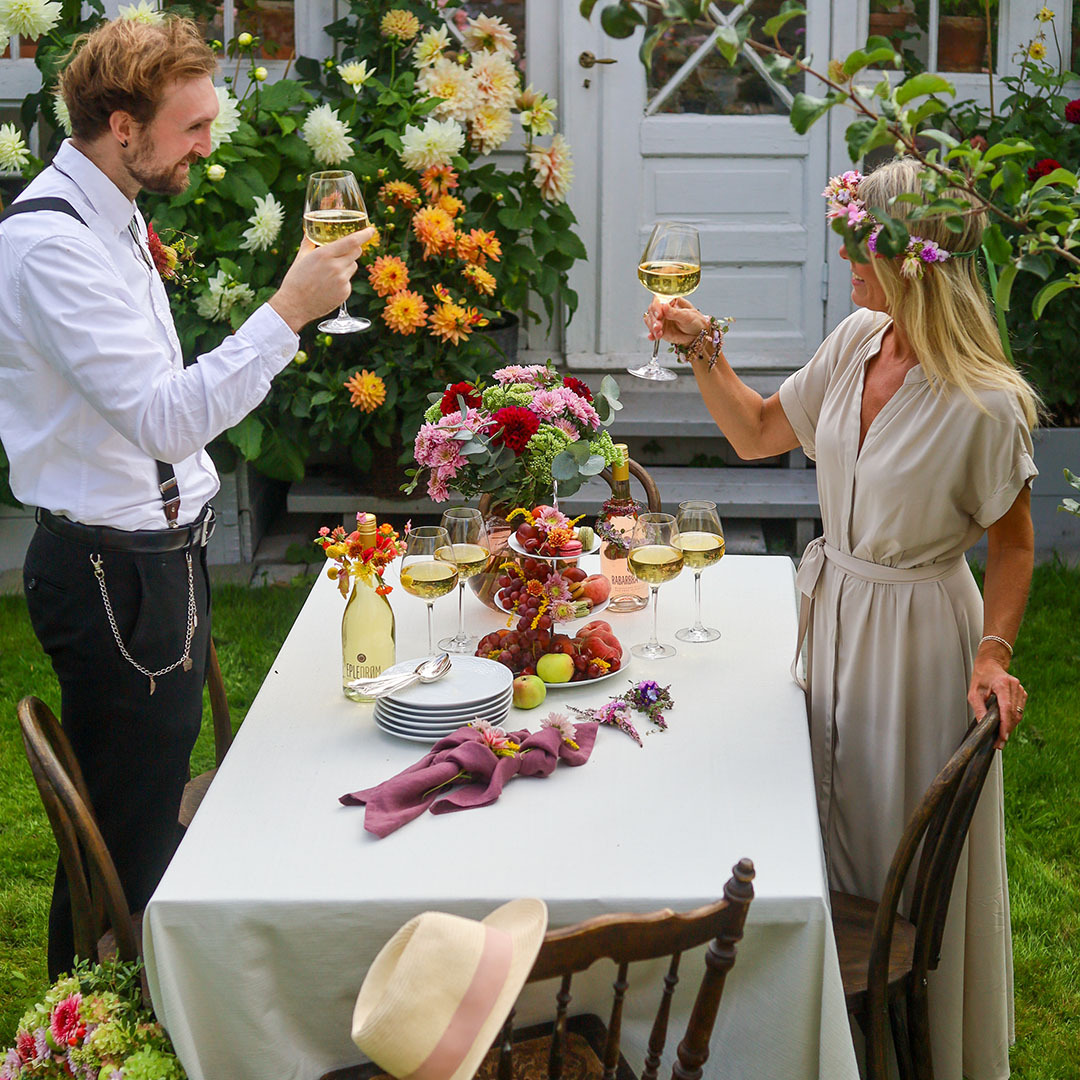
point(588, 60)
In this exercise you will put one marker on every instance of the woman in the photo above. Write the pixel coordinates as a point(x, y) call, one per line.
point(921, 432)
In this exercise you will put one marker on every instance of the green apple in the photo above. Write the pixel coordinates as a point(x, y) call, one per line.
point(555, 667)
point(529, 691)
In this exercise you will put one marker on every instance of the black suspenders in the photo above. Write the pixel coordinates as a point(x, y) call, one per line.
point(167, 485)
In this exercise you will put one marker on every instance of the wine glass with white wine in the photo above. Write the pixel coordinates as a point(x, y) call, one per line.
point(424, 573)
point(670, 266)
point(334, 208)
point(701, 540)
point(469, 552)
point(655, 558)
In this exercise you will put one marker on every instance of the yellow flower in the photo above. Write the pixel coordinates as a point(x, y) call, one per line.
point(450, 323)
point(438, 180)
point(388, 275)
point(480, 279)
point(366, 390)
point(405, 312)
point(434, 228)
point(1044, 14)
point(399, 191)
point(403, 25)
point(371, 244)
point(451, 204)
point(1036, 50)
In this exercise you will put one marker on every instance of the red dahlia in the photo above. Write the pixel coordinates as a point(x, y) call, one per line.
point(1072, 112)
point(514, 426)
point(577, 386)
point(157, 252)
point(1043, 168)
point(466, 390)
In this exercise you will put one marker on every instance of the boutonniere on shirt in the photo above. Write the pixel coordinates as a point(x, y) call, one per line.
point(172, 260)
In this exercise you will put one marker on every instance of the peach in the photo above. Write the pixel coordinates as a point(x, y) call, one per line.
point(596, 588)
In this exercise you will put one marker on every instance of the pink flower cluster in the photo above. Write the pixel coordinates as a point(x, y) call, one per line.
point(437, 448)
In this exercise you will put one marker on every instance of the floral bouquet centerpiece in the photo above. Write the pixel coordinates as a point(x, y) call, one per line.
point(350, 557)
point(92, 1024)
point(532, 433)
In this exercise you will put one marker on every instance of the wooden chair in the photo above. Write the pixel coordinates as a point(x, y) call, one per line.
point(583, 1046)
point(103, 922)
point(196, 788)
point(884, 957)
point(652, 492)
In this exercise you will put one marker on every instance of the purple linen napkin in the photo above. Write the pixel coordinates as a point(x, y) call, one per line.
point(427, 784)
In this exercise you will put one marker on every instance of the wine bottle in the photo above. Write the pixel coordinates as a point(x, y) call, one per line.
point(615, 526)
point(367, 627)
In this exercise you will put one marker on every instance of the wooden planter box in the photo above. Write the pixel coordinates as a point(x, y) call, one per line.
point(245, 506)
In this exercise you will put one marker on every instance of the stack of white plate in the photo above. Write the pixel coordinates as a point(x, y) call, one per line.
point(473, 689)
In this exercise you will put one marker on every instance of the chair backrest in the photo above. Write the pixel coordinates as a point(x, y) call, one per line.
point(652, 492)
point(629, 938)
point(219, 707)
point(97, 897)
point(940, 824)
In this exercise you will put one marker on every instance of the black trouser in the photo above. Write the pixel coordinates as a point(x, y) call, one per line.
point(133, 747)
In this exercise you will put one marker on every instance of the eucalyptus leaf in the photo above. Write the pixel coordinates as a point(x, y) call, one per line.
point(593, 466)
point(564, 467)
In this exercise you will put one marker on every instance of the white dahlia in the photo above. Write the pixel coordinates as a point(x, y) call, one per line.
point(496, 78)
point(554, 169)
point(490, 128)
point(140, 12)
point(60, 111)
point(5, 37)
point(488, 33)
point(327, 135)
point(434, 144)
point(265, 224)
point(222, 294)
point(30, 18)
point(13, 153)
point(430, 47)
point(455, 85)
point(355, 73)
point(540, 118)
point(227, 119)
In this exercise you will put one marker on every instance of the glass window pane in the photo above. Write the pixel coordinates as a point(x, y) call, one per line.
point(273, 22)
point(714, 87)
point(963, 41)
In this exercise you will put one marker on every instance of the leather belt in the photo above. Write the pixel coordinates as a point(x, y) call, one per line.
point(146, 541)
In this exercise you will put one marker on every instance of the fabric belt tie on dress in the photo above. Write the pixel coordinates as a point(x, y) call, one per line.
point(812, 564)
point(146, 541)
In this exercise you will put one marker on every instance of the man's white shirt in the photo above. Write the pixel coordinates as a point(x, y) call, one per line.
point(92, 384)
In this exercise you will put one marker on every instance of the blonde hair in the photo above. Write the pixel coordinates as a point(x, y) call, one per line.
point(944, 314)
point(126, 65)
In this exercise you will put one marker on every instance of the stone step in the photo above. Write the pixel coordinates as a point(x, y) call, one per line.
point(739, 493)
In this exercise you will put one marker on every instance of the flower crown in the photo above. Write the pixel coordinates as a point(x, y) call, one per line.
point(843, 194)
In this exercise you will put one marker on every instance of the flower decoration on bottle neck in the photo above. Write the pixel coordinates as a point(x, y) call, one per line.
point(842, 193)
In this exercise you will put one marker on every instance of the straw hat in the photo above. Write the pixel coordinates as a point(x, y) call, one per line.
point(435, 997)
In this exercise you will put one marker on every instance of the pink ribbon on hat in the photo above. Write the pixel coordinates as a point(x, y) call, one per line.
point(474, 1008)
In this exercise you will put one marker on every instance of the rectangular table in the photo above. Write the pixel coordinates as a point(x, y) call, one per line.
point(277, 901)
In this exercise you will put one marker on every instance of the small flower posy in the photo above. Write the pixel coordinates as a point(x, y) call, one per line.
point(842, 193)
point(352, 559)
point(648, 697)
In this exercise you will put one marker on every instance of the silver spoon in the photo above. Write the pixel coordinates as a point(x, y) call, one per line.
point(426, 671)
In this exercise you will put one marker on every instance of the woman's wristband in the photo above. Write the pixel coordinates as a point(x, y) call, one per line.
point(709, 339)
point(999, 640)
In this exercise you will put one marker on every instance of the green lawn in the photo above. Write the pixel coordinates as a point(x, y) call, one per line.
point(1042, 782)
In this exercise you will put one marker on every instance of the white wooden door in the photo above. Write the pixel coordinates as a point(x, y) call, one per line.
point(750, 184)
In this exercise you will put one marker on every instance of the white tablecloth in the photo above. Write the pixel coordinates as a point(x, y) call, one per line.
point(259, 935)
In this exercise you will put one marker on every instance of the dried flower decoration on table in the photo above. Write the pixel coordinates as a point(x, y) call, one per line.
point(351, 558)
point(646, 696)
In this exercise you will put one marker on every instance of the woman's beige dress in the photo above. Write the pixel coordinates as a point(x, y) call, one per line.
point(891, 647)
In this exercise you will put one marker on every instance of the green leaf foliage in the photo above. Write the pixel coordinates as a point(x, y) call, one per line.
point(805, 109)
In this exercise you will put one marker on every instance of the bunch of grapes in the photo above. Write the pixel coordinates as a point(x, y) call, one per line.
point(513, 593)
point(594, 649)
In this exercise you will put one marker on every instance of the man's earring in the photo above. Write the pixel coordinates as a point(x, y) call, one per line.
point(124, 144)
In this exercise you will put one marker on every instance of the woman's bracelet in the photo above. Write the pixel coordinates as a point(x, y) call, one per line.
point(712, 332)
point(999, 640)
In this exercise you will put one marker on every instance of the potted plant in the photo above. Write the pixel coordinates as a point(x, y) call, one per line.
point(890, 19)
point(962, 34)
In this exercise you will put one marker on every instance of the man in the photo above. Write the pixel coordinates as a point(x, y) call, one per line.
point(98, 415)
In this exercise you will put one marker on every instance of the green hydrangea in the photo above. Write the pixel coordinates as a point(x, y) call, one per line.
point(433, 413)
point(601, 444)
point(110, 1040)
point(541, 449)
point(499, 397)
point(150, 1064)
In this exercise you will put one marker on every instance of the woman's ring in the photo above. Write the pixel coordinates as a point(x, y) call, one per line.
point(1019, 710)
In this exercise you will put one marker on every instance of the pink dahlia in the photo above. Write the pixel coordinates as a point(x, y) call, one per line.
point(64, 1022)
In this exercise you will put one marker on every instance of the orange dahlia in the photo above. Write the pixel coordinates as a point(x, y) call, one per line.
point(438, 180)
point(479, 246)
point(372, 244)
point(405, 312)
point(451, 204)
point(434, 228)
point(450, 323)
point(483, 281)
point(400, 192)
point(388, 275)
point(366, 390)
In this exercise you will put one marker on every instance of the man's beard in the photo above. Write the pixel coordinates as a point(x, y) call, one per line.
point(159, 179)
